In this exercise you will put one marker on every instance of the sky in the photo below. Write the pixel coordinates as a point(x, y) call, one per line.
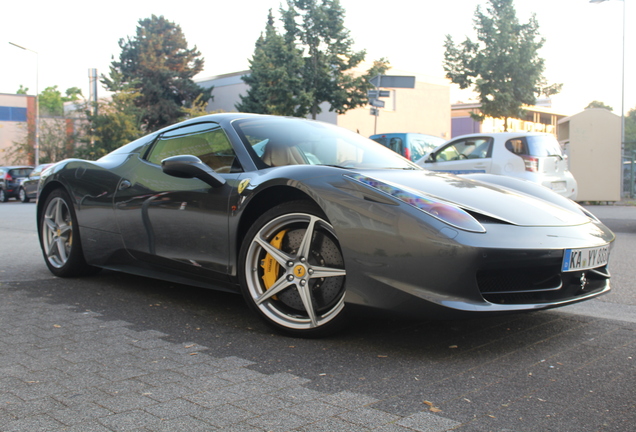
point(583, 48)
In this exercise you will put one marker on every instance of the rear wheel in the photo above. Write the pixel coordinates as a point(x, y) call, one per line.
point(3, 196)
point(292, 271)
point(59, 237)
point(23, 195)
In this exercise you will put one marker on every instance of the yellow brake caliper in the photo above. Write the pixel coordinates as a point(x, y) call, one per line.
point(270, 265)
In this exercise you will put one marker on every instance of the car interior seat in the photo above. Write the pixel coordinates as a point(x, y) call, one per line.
point(280, 155)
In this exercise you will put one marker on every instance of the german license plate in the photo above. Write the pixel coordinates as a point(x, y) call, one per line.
point(587, 258)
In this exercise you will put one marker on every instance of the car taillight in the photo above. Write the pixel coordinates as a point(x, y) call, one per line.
point(407, 153)
point(8, 177)
point(531, 163)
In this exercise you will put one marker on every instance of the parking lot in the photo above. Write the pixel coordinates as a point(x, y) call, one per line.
point(116, 352)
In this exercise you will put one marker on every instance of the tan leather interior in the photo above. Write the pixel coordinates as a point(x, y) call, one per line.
point(280, 155)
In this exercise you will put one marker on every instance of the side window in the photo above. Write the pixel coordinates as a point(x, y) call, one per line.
point(451, 152)
point(481, 148)
point(211, 146)
point(517, 146)
point(472, 148)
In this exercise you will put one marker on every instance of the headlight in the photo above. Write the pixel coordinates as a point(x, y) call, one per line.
point(441, 210)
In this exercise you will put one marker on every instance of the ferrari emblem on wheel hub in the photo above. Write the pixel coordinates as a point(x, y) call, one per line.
point(299, 271)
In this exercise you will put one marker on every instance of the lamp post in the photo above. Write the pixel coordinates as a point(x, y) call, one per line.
point(36, 147)
point(622, 93)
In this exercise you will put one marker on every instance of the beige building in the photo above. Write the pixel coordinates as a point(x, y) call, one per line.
point(424, 109)
point(592, 141)
point(536, 119)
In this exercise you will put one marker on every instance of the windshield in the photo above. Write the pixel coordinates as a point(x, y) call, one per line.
point(275, 141)
point(421, 147)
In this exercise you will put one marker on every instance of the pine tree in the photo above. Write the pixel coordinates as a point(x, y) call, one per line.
point(159, 66)
point(275, 79)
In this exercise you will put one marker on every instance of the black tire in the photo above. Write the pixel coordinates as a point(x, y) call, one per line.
point(294, 282)
point(60, 237)
point(23, 195)
point(3, 196)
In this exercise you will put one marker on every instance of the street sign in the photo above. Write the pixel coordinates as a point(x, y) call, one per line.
point(374, 94)
point(393, 81)
point(376, 103)
point(375, 112)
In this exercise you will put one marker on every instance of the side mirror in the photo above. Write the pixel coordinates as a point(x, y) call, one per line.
point(430, 158)
point(188, 166)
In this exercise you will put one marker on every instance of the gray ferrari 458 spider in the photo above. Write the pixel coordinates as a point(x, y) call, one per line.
point(308, 220)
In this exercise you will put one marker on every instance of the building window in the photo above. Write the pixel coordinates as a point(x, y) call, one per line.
point(14, 114)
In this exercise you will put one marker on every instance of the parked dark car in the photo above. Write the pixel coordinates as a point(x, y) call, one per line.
point(28, 189)
point(308, 220)
point(10, 179)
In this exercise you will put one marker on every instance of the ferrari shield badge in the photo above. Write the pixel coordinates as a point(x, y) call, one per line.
point(243, 184)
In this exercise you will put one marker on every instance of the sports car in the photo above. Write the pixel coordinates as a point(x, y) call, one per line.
point(309, 221)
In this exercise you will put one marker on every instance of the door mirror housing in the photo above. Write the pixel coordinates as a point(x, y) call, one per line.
point(188, 166)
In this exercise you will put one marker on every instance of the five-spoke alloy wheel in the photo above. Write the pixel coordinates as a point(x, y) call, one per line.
point(292, 270)
point(59, 237)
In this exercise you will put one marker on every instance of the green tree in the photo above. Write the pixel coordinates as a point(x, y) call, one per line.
point(22, 90)
point(502, 65)
point(115, 122)
point(158, 65)
point(275, 78)
point(52, 102)
point(317, 27)
point(198, 108)
point(599, 104)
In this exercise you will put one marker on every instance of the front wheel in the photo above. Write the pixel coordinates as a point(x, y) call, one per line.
point(59, 237)
point(292, 271)
point(23, 195)
point(3, 196)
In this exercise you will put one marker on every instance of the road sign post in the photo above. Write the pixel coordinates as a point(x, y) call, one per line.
point(386, 81)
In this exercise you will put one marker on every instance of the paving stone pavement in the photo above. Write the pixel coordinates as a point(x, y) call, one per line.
point(65, 370)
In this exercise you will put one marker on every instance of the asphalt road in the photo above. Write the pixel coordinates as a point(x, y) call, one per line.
point(121, 353)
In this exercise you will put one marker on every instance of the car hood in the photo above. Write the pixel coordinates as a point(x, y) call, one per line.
point(491, 200)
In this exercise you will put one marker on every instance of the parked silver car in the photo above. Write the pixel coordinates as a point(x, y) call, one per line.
point(536, 157)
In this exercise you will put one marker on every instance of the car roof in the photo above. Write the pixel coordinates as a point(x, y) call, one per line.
point(404, 133)
point(503, 135)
